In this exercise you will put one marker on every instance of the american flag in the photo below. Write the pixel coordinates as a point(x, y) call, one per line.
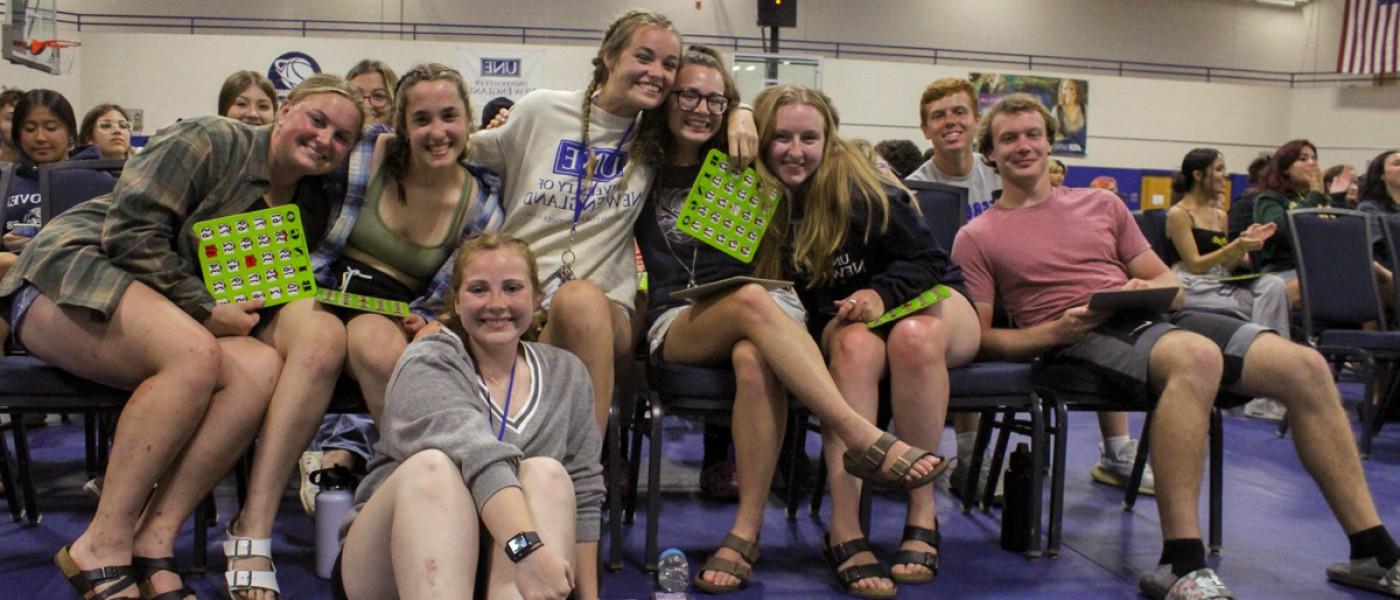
point(1370, 29)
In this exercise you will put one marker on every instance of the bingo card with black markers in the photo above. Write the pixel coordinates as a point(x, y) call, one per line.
point(256, 255)
point(728, 209)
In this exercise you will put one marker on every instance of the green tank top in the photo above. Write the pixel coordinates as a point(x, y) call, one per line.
point(371, 236)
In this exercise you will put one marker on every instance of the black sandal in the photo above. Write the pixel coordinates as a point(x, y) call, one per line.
point(919, 558)
point(848, 578)
point(86, 582)
point(147, 567)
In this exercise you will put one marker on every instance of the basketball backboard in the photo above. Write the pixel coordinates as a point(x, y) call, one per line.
point(29, 35)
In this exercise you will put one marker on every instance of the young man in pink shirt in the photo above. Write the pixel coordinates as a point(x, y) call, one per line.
point(1046, 250)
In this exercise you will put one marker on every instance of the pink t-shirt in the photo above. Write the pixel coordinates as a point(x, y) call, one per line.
point(1045, 259)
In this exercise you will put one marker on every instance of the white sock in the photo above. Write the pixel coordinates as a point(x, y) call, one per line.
point(1116, 443)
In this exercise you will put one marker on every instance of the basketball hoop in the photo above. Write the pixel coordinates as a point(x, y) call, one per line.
point(37, 46)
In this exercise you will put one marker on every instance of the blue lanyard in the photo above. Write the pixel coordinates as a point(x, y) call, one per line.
point(486, 392)
point(578, 185)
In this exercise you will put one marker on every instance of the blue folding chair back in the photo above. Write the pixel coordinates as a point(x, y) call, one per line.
point(63, 185)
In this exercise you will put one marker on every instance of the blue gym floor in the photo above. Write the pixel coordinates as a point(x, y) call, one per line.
point(1279, 535)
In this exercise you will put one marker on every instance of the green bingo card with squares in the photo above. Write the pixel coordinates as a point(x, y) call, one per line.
point(728, 209)
point(939, 293)
point(383, 306)
point(256, 255)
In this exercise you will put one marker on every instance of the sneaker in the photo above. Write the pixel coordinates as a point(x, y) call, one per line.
point(310, 463)
point(1265, 408)
point(1201, 584)
point(1367, 574)
point(1117, 470)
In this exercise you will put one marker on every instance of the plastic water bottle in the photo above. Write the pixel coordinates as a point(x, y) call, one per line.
point(332, 502)
point(1016, 513)
point(672, 574)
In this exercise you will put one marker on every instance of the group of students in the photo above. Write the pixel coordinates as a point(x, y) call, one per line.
point(486, 467)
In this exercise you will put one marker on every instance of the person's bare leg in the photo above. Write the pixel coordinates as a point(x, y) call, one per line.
point(1186, 368)
point(248, 375)
point(550, 495)
point(857, 364)
point(705, 333)
point(758, 423)
point(1113, 424)
point(171, 362)
point(312, 344)
point(585, 322)
point(921, 348)
point(1300, 378)
point(374, 344)
point(424, 517)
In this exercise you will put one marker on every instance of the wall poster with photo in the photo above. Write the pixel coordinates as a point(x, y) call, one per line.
point(1067, 99)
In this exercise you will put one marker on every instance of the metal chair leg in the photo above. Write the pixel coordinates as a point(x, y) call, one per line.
point(7, 478)
point(1217, 478)
point(1057, 482)
point(1139, 464)
point(653, 491)
point(614, 493)
point(1037, 475)
point(797, 438)
point(26, 473)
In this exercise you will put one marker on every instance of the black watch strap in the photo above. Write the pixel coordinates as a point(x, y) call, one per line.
point(522, 545)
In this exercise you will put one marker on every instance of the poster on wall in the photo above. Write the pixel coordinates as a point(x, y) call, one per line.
point(1067, 99)
point(500, 73)
point(289, 70)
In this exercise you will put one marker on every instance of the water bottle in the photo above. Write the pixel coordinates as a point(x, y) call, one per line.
point(332, 502)
point(1016, 514)
point(672, 574)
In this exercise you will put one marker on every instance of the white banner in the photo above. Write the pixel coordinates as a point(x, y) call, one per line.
point(494, 73)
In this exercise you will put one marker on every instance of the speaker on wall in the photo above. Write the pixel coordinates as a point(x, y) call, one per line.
point(777, 13)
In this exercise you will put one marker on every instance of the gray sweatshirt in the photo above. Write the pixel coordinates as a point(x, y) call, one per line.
point(435, 401)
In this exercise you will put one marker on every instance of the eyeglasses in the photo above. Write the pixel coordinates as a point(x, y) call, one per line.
point(689, 99)
point(378, 98)
point(104, 124)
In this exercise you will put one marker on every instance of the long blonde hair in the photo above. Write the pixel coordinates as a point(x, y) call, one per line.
point(844, 173)
point(619, 34)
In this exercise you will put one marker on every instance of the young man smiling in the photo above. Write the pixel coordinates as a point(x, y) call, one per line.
point(1043, 251)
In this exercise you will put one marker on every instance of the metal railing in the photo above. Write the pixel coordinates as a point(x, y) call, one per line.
point(530, 34)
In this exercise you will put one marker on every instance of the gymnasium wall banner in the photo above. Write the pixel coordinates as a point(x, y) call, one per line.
point(500, 73)
point(1067, 99)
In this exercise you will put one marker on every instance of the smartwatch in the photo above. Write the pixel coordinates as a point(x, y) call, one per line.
point(522, 545)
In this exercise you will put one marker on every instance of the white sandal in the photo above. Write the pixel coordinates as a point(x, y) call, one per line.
point(238, 547)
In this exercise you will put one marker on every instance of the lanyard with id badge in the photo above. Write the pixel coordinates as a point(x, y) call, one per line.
point(565, 273)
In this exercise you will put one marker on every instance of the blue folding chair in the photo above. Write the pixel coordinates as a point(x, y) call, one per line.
point(1334, 255)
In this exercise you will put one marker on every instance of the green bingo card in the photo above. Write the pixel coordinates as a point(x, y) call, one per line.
point(728, 209)
point(383, 306)
point(256, 255)
point(920, 302)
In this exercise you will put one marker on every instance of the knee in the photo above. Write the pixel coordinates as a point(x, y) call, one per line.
point(855, 347)
point(582, 299)
point(319, 347)
point(432, 475)
point(1194, 359)
point(544, 474)
point(377, 357)
point(916, 343)
point(753, 304)
point(1307, 369)
point(199, 361)
point(256, 364)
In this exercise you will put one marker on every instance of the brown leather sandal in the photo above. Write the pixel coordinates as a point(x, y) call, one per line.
point(146, 567)
point(867, 465)
point(86, 582)
point(746, 549)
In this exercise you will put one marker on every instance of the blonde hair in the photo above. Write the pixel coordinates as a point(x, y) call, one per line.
point(844, 173)
point(619, 34)
point(470, 249)
point(1010, 105)
point(943, 88)
point(324, 83)
point(370, 66)
point(398, 150)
